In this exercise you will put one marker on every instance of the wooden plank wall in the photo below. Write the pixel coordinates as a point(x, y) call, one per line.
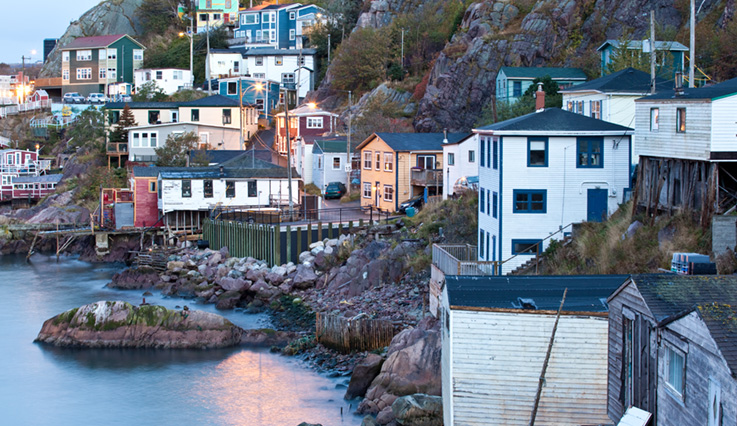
point(346, 335)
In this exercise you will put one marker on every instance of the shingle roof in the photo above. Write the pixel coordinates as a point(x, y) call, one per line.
point(628, 80)
point(42, 178)
point(150, 171)
point(214, 173)
point(212, 101)
point(215, 156)
point(726, 88)
point(331, 146)
point(416, 141)
point(555, 120)
point(268, 51)
point(142, 105)
point(721, 320)
point(539, 72)
point(94, 42)
point(637, 45)
point(586, 293)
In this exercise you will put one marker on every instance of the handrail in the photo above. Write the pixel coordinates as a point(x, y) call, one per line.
point(537, 245)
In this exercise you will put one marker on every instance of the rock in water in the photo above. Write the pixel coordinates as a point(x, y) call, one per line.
point(419, 409)
point(122, 325)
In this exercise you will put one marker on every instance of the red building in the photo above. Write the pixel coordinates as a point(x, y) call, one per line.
point(16, 163)
point(145, 193)
point(34, 187)
point(306, 123)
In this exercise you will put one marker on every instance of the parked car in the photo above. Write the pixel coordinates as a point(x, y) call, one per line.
point(121, 98)
point(466, 183)
point(96, 98)
point(73, 98)
point(415, 202)
point(335, 190)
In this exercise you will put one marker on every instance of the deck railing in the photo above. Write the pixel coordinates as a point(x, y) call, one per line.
point(460, 259)
point(426, 177)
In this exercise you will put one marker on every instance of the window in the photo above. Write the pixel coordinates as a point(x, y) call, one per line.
point(154, 140)
point(103, 74)
point(579, 108)
point(451, 159)
point(675, 370)
point(208, 4)
point(319, 162)
point(204, 17)
point(215, 16)
point(204, 141)
point(496, 154)
point(177, 75)
point(367, 189)
point(517, 89)
point(590, 153)
point(137, 54)
point(388, 193)
point(84, 55)
point(681, 120)
point(259, 61)
point(494, 204)
point(195, 115)
point(481, 243)
point(186, 188)
point(292, 16)
point(65, 74)
point(153, 117)
point(250, 18)
point(112, 54)
point(483, 152)
point(367, 160)
point(530, 201)
point(388, 162)
point(378, 161)
point(260, 104)
point(136, 139)
point(595, 107)
point(278, 60)
point(471, 156)
point(482, 198)
point(537, 152)
point(301, 60)
point(654, 119)
point(159, 75)
point(314, 122)
point(292, 34)
point(114, 117)
point(232, 88)
point(251, 188)
point(227, 117)
point(336, 163)
point(207, 187)
point(488, 202)
point(426, 161)
point(175, 116)
point(65, 56)
point(230, 189)
point(526, 247)
point(84, 73)
point(112, 73)
point(152, 186)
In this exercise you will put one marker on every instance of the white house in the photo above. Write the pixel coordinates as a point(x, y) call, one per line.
point(143, 140)
point(460, 161)
point(694, 131)
point(540, 172)
point(496, 332)
point(169, 80)
point(329, 161)
point(612, 97)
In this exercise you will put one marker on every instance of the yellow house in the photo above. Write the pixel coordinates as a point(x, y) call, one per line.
point(398, 166)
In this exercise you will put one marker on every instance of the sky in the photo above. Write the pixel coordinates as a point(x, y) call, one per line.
point(48, 19)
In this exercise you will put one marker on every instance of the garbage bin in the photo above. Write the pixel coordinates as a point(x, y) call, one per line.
point(410, 211)
point(203, 244)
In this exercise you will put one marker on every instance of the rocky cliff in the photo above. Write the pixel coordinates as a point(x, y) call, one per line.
point(108, 17)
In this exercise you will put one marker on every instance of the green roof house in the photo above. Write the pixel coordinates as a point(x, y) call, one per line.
point(511, 82)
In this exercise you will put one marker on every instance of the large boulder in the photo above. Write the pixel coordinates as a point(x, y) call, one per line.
point(363, 374)
point(135, 278)
point(228, 300)
point(122, 325)
point(264, 291)
point(233, 284)
point(418, 410)
point(267, 338)
point(305, 277)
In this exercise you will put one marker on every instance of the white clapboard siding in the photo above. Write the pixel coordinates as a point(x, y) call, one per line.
point(172, 200)
point(724, 124)
point(495, 359)
point(489, 182)
point(566, 187)
point(693, 144)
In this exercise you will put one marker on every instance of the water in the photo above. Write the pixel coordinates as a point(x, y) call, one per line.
point(43, 385)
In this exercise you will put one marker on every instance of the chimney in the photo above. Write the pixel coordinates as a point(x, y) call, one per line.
point(222, 172)
point(539, 98)
point(679, 83)
point(445, 135)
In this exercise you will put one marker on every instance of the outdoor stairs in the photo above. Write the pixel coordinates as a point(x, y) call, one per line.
point(528, 268)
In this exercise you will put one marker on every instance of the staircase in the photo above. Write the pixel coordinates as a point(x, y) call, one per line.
point(532, 266)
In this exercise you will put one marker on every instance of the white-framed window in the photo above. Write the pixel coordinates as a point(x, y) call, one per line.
point(388, 162)
point(84, 55)
point(204, 142)
point(215, 16)
point(314, 122)
point(84, 73)
point(287, 78)
point(367, 160)
point(258, 36)
point(112, 73)
point(292, 16)
point(366, 190)
point(175, 116)
point(137, 54)
point(272, 35)
point(451, 159)
point(654, 119)
point(595, 107)
point(65, 56)
point(265, 35)
point(103, 73)
point(178, 75)
point(249, 18)
point(136, 140)
point(388, 193)
point(680, 120)
point(259, 61)
point(269, 17)
point(377, 157)
point(675, 370)
point(336, 163)
point(260, 104)
point(65, 74)
point(154, 140)
point(112, 54)
point(292, 34)
point(278, 60)
point(159, 75)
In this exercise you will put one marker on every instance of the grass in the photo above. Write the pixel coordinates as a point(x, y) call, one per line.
point(458, 219)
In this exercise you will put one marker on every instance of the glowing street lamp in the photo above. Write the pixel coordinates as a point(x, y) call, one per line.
point(191, 45)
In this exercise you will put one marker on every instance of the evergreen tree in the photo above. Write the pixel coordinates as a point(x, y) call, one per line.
point(174, 153)
point(126, 120)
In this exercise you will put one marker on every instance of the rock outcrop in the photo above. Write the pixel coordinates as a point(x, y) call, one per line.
point(122, 325)
point(418, 410)
point(135, 278)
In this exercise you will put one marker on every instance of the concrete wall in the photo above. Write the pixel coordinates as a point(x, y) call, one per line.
point(723, 234)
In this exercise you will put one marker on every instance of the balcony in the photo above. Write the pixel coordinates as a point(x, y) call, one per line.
point(33, 168)
point(117, 148)
point(426, 177)
point(461, 259)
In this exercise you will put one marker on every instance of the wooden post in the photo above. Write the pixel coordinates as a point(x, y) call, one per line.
point(319, 230)
point(289, 243)
point(57, 240)
point(299, 242)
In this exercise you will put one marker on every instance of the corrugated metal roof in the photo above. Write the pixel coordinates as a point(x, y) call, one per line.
point(539, 72)
point(556, 120)
point(586, 293)
point(266, 51)
point(92, 42)
point(42, 179)
point(637, 45)
point(726, 88)
point(416, 141)
point(150, 171)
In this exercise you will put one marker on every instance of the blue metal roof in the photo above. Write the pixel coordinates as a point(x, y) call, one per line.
point(416, 141)
point(555, 120)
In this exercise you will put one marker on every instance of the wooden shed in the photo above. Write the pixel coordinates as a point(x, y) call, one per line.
point(496, 332)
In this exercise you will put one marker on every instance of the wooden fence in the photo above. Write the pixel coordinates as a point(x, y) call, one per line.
point(346, 335)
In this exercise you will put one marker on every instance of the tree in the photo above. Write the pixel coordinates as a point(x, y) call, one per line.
point(380, 115)
point(361, 60)
point(174, 153)
point(157, 16)
point(149, 91)
point(88, 131)
point(524, 105)
point(126, 120)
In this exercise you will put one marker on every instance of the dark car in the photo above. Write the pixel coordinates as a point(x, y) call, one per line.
point(415, 202)
point(335, 190)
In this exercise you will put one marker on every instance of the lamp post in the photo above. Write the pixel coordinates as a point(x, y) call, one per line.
point(257, 87)
point(289, 154)
point(22, 95)
point(191, 53)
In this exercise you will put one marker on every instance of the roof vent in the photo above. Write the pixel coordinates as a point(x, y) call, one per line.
point(527, 304)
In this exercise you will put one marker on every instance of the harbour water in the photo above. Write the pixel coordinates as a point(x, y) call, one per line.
point(42, 385)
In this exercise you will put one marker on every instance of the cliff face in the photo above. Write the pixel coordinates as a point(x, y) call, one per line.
point(108, 17)
point(553, 33)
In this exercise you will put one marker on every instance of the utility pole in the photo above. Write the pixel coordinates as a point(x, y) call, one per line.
point(349, 162)
point(652, 51)
point(691, 63)
point(207, 58)
point(328, 48)
point(289, 154)
point(402, 48)
point(240, 109)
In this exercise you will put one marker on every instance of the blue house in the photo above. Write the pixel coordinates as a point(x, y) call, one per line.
point(512, 82)
point(669, 54)
point(277, 25)
point(262, 93)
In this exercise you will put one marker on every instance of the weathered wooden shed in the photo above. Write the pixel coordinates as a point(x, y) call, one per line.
point(496, 334)
point(673, 349)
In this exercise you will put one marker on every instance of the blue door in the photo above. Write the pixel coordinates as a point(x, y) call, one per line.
point(596, 205)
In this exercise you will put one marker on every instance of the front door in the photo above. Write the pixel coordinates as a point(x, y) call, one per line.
point(596, 205)
point(378, 194)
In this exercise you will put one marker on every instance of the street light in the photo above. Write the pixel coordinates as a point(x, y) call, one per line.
point(258, 87)
point(191, 45)
point(349, 162)
point(24, 89)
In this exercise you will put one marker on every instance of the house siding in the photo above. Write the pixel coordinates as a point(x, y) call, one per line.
point(693, 144)
point(146, 210)
point(171, 197)
point(462, 166)
point(484, 357)
point(723, 125)
point(400, 171)
point(490, 182)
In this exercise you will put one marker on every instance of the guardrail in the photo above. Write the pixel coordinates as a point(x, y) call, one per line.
point(275, 216)
point(460, 259)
